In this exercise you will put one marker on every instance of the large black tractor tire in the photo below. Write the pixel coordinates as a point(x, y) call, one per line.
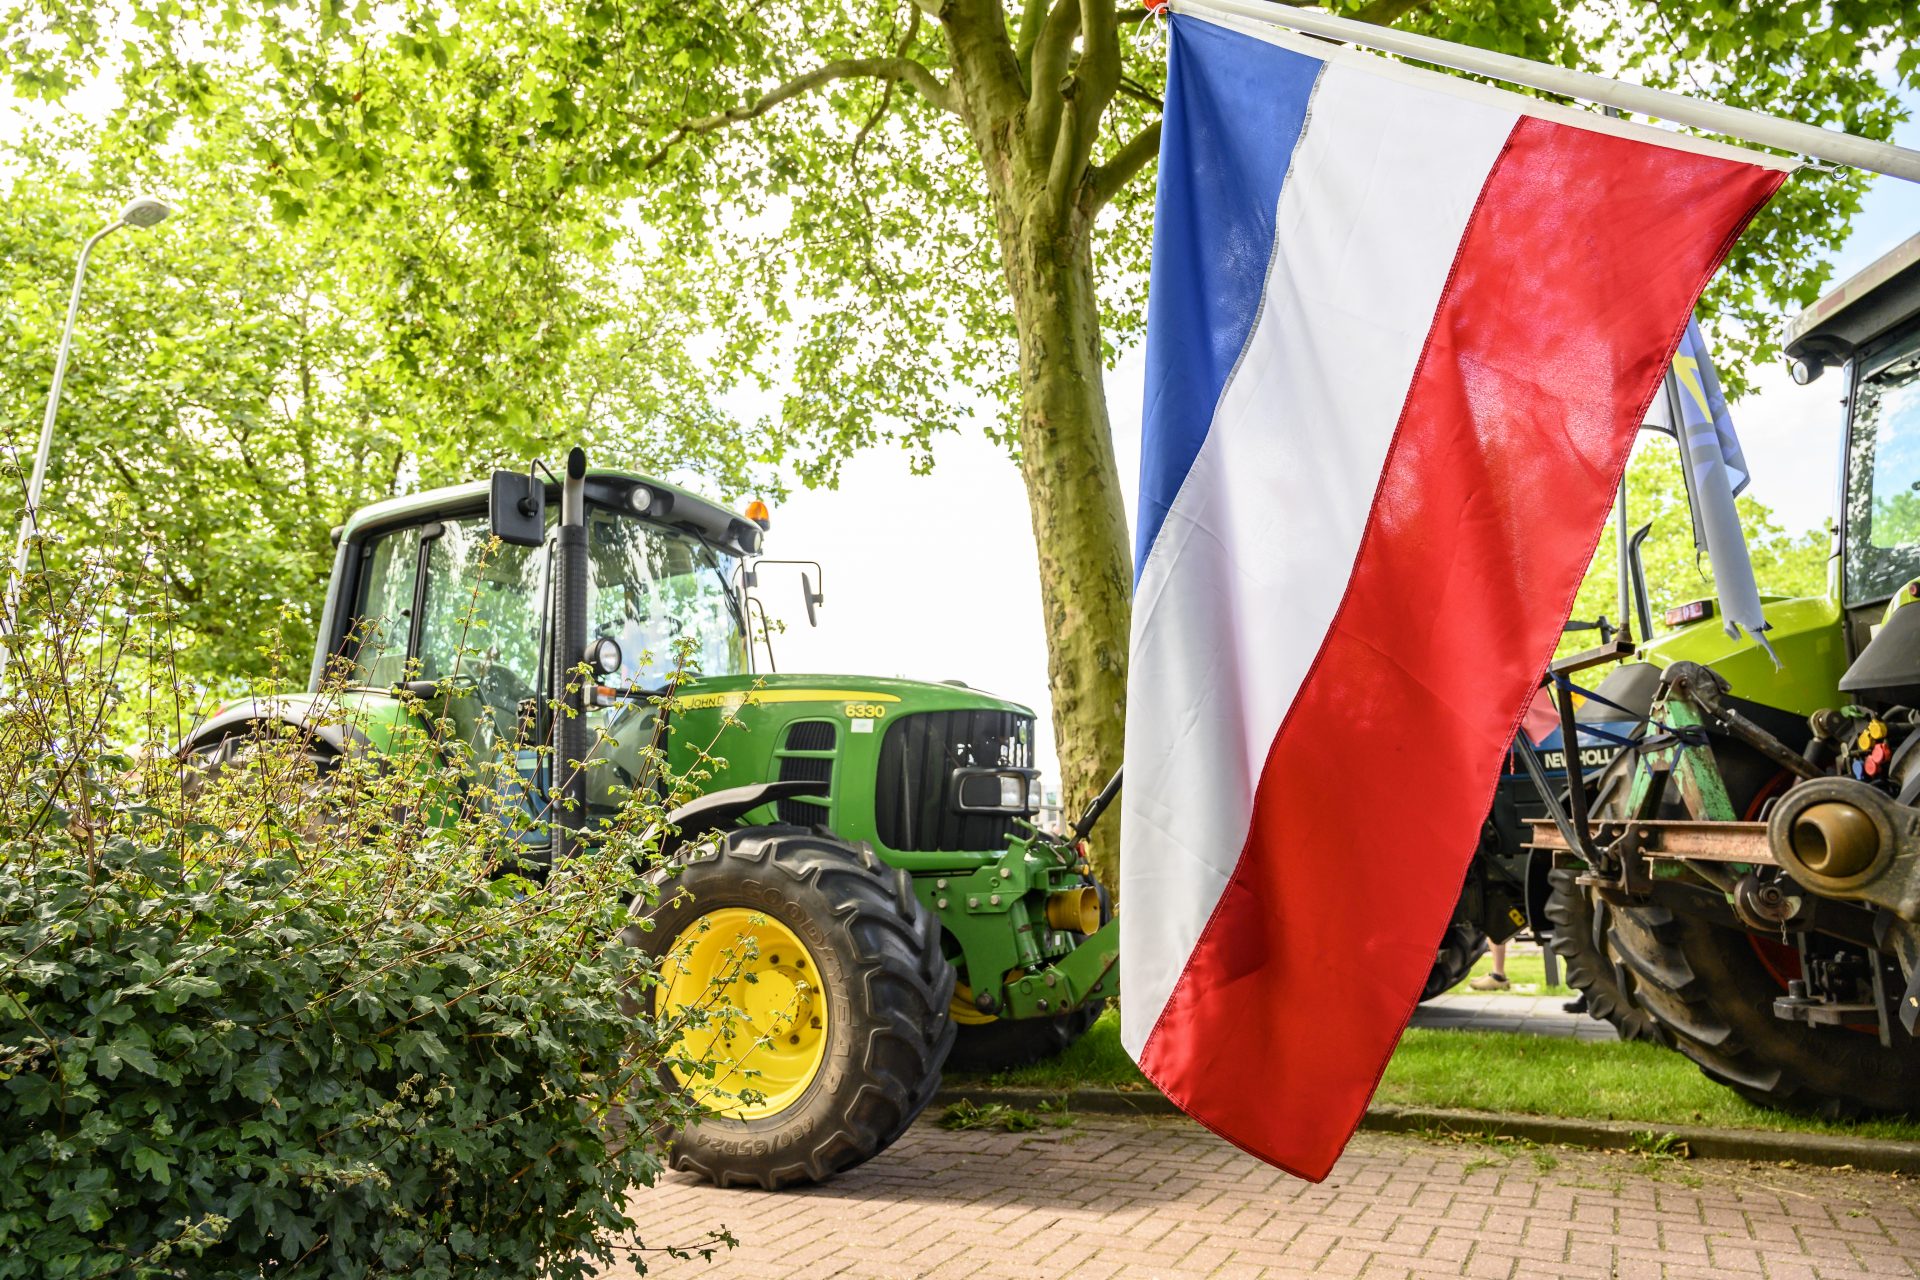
point(1006, 1043)
point(882, 985)
point(1710, 990)
point(1580, 920)
point(1460, 949)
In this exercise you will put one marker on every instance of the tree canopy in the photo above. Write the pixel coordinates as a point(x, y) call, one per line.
point(880, 214)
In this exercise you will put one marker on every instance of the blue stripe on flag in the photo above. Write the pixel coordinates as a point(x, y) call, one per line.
point(1236, 108)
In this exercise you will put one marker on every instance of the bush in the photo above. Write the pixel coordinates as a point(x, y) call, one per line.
point(291, 1020)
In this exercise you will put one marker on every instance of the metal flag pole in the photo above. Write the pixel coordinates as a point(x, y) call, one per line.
point(1734, 122)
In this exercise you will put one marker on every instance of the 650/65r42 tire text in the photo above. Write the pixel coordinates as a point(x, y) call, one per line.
point(841, 993)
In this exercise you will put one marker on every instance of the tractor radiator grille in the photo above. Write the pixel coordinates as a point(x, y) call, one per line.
point(914, 806)
point(807, 735)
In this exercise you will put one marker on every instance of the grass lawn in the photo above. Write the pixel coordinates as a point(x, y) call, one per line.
point(1498, 1071)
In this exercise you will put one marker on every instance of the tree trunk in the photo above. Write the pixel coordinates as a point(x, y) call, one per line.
point(1079, 524)
point(1044, 207)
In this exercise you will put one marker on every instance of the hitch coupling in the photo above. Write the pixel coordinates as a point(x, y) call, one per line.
point(1845, 839)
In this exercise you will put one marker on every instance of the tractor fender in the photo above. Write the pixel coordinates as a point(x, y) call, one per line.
point(241, 716)
point(718, 810)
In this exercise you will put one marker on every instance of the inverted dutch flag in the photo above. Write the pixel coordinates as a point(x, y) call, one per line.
point(1401, 331)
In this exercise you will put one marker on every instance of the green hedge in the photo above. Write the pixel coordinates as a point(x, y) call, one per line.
point(270, 1025)
point(223, 1071)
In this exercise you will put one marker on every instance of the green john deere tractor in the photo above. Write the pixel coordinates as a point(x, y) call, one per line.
point(865, 884)
point(1743, 881)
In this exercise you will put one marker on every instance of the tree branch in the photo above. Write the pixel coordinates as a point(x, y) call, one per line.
point(987, 75)
point(1107, 180)
point(1033, 13)
point(1384, 13)
point(1051, 53)
point(1140, 93)
point(1094, 84)
point(897, 69)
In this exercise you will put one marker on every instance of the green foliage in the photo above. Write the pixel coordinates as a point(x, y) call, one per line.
point(292, 1013)
point(811, 177)
point(241, 383)
point(1784, 564)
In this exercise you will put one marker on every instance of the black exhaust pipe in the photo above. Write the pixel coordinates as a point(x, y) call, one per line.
point(570, 568)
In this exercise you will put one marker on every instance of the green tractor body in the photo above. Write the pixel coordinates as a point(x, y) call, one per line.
point(916, 799)
point(1808, 635)
point(1748, 886)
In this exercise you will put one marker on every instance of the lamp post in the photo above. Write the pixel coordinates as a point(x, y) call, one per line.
point(142, 211)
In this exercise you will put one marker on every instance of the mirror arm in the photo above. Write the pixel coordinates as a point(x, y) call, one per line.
point(1642, 606)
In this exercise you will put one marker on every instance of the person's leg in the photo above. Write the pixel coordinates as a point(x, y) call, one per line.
point(1497, 979)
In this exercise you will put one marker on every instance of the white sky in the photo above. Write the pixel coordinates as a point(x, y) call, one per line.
point(935, 577)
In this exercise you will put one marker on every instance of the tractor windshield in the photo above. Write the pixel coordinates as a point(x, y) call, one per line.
point(1883, 474)
point(653, 590)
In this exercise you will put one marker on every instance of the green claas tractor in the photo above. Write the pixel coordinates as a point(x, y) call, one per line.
point(1743, 881)
point(865, 881)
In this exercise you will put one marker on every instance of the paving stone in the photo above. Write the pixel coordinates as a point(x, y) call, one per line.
point(1160, 1199)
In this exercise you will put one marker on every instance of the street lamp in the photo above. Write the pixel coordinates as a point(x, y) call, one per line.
point(142, 211)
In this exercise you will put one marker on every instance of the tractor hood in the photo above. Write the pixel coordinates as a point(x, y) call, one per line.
point(1806, 633)
point(939, 776)
point(848, 696)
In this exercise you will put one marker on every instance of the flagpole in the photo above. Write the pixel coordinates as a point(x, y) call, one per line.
point(1734, 122)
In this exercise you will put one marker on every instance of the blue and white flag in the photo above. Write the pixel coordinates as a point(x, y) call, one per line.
point(1716, 470)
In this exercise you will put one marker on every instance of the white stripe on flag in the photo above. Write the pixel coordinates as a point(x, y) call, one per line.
point(1250, 566)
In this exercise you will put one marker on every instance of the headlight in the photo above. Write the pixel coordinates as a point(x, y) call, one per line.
point(995, 790)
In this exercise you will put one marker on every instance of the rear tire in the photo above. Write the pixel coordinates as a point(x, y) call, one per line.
point(1708, 987)
point(1581, 920)
point(883, 984)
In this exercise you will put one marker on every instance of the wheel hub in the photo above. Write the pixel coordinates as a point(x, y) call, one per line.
point(753, 1016)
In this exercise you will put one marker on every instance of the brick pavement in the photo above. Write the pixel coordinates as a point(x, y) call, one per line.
point(1153, 1198)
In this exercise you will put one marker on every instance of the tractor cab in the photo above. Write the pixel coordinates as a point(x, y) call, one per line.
point(427, 601)
point(1868, 330)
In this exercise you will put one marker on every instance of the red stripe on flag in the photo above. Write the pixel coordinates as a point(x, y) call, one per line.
point(1572, 283)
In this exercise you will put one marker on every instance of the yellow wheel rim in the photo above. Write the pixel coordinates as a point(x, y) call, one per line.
point(749, 993)
point(964, 1011)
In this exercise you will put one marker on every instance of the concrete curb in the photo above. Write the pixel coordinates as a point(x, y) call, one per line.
point(1878, 1155)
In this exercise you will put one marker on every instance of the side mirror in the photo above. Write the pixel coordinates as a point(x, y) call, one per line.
point(517, 509)
point(813, 598)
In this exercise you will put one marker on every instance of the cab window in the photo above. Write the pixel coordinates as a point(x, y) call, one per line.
point(1883, 485)
point(651, 589)
point(381, 631)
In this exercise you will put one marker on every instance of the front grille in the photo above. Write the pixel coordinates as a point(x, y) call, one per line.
point(810, 735)
point(807, 735)
point(913, 800)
